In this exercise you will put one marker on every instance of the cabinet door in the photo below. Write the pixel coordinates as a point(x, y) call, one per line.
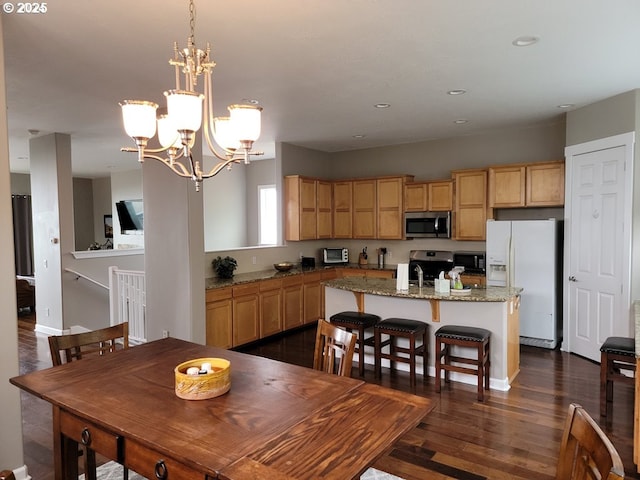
point(270, 307)
point(470, 204)
point(545, 184)
point(416, 197)
point(245, 314)
point(323, 205)
point(390, 208)
point(292, 298)
point(300, 208)
point(507, 186)
point(311, 297)
point(364, 208)
point(440, 196)
point(219, 315)
point(342, 209)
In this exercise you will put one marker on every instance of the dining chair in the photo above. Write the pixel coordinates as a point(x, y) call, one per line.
point(334, 349)
point(7, 475)
point(94, 342)
point(585, 451)
point(75, 346)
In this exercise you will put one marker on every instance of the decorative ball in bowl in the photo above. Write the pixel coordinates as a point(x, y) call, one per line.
point(203, 378)
point(283, 266)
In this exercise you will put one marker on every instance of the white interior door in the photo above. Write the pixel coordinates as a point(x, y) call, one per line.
point(597, 243)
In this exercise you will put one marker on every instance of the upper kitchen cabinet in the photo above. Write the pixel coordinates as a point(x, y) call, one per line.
point(301, 208)
point(527, 185)
point(343, 209)
point(390, 207)
point(324, 225)
point(440, 196)
point(470, 211)
point(364, 208)
point(416, 197)
point(434, 196)
point(545, 184)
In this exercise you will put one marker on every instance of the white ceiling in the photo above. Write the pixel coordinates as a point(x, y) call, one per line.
point(316, 66)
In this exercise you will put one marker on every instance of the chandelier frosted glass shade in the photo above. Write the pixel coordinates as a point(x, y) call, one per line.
point(139, 118)
point(168, 136)
point(245, 121)
point(185, 110)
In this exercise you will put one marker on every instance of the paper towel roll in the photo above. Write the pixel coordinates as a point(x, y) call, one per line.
point(402, 280)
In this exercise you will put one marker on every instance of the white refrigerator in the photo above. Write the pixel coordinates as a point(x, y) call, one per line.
point(524, 253)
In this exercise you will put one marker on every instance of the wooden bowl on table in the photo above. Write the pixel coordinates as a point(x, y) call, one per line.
point(216, 382)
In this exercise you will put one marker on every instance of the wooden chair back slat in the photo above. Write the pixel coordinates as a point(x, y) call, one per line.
point(96, 342)
point(334, 349)
point(586, 452)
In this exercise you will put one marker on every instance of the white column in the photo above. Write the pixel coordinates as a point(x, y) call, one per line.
point(173, 254)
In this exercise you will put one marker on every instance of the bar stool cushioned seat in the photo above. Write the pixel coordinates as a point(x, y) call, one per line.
point(463, 336)
point(616, 353)
point(403, 328)
point(358, 321)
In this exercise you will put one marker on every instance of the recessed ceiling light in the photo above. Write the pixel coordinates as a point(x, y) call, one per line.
point(382, 105)
point(460, 121)
point(33, 131)
point(250, 101)
point(566, 105)
point(525, 41)
point(458, 91)
point(23, 158)
point(358, 136)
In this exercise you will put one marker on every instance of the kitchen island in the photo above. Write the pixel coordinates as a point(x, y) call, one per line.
point(493, 308)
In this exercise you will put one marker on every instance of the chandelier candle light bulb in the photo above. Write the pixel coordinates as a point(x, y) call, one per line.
point(187, 110)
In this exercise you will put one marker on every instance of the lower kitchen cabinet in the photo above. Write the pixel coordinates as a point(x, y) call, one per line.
point(219, 315)
point(312, 297)
point(292, 298)
point(270, 307)
point(246, 327)
point(250, 311)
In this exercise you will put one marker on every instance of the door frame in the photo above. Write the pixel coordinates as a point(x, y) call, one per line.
point(627, 141)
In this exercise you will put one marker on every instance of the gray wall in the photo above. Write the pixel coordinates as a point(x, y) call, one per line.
point(83, 219)
point(614, 116)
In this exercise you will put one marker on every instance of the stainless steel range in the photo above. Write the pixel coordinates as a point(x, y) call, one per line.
point(430, 262)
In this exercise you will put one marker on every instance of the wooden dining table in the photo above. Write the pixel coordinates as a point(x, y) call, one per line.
point(278, 421)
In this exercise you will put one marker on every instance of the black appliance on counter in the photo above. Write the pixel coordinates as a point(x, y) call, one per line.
point(473, 262)
point(431, 262)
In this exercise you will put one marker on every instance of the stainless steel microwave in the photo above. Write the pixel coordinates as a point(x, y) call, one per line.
point(335, 255)
point(427, 224)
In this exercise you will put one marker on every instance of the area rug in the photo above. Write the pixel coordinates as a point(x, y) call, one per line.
point(113, 471)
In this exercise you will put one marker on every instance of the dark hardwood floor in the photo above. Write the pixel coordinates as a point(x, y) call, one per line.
point(512, 435)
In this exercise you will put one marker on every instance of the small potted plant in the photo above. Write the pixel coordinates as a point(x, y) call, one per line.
point(224, 267)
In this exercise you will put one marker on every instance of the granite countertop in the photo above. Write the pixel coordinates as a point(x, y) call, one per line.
point(240, 278)
point(387, 287)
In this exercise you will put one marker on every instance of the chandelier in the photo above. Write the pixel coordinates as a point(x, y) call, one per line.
point(178, 123)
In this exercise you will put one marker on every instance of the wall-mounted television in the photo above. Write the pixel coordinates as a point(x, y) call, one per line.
point(130, 216)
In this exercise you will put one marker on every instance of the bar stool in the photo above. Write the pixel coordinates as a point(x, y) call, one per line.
point(359, 322)
point(403, 328)
point(616, 353)
point(460, 336)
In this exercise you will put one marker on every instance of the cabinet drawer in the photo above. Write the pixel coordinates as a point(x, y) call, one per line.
point(313, 277)
point(105, 443)
point(151, 464)
point(292, 280)
point(215, 294)
point(266, 285)
point(248, 289)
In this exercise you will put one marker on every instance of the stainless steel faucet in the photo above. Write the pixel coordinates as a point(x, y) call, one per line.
point(418, 269)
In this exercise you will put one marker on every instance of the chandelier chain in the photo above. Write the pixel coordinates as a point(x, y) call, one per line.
point(192, 20)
